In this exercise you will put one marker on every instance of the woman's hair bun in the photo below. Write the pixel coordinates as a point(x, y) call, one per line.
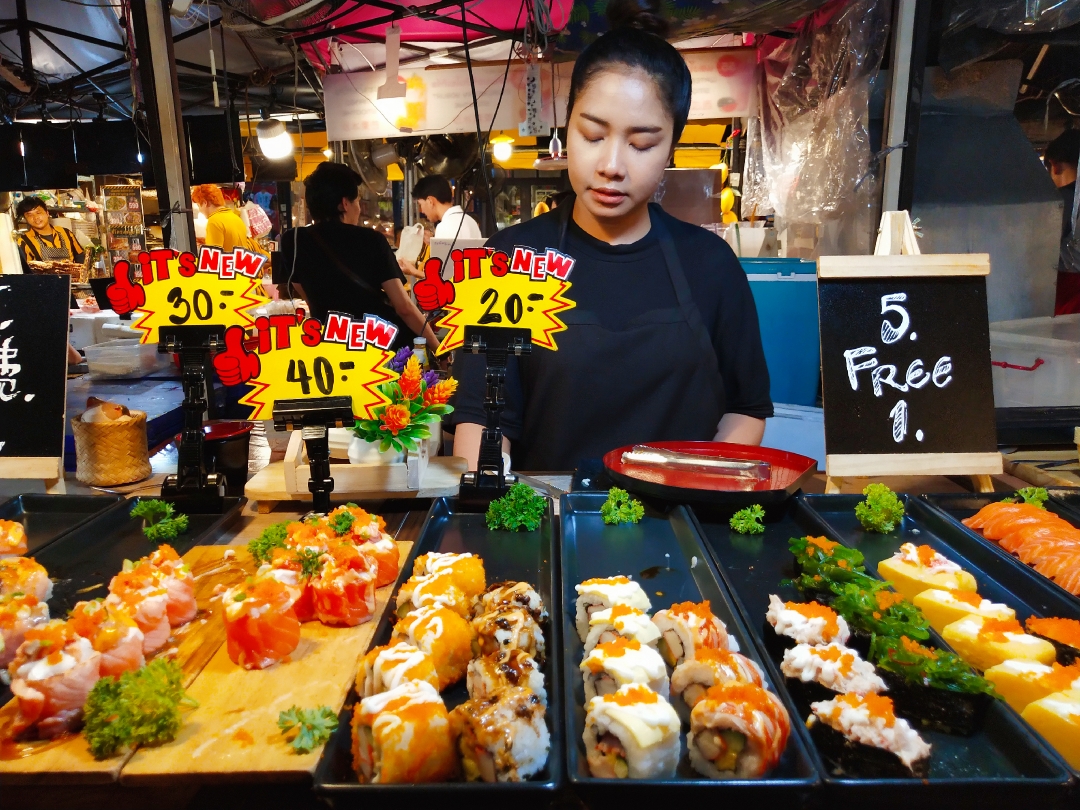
point(641, 14)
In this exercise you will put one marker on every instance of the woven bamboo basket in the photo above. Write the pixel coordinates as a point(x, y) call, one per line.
point(111, 453)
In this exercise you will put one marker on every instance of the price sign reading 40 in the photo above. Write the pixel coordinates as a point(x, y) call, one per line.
point(490, 288)
point(176, 289)
point(292, 357)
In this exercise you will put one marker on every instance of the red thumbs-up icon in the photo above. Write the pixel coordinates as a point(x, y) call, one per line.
point(123, 295)
point(433, 292)
point(236, 364)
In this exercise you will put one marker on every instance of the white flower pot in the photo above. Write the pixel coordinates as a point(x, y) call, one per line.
point(368, 454)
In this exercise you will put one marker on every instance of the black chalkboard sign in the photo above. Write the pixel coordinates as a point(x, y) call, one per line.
point(906, 375)
point(33, 370)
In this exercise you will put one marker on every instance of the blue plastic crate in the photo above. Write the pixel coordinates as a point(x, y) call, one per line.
point(785, 293)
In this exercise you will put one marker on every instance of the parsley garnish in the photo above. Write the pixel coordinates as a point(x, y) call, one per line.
point(882, 511)
point(159, 525)
point(748, 520)
point(313, 727)
point(1036, 496)
point(519, 508)
point(621, 508)
point(262, 547)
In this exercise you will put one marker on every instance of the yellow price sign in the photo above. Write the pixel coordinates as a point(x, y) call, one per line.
point(178, 289)
point(526, 289)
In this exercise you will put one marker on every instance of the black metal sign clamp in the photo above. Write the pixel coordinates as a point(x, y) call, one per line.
point(313, 416)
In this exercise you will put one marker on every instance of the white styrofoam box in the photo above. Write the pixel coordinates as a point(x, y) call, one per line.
point(1036, 362)
point(125, 359)
point(797, 429)
point(120, 330)
point(85, 328)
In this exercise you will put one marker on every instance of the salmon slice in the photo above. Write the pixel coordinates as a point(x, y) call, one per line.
point(1053, 565)
point(1038, 550)
point(978, 520)
point(1030, 533)
point(999, 527)
point(1069, 578)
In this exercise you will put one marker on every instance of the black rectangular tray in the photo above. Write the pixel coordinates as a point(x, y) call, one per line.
point(524, 556)
point(958, 506)
point(48, 517)
point(1002, 766)
point(1068, 499)
point(666, 555)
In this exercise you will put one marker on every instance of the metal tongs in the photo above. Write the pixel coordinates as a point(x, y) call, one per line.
point(645, 456)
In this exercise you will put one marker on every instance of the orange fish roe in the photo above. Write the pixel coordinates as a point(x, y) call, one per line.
point(915, 648)
point(967, 597)
point(1063, 631)
point(710, 654)
point(842, 564)
point(822, 543)
point(700, 609)
point(51, 635)
point(926, 556)
point(243, 737)
point(635, 694)
point(11, 605)
point(845, 659)
point(739, 693)
point(607, 581)
point(995, 629)
point(877, 705)
point(1062, 677)
point(815, 610)
point(622, 610)
point(613, 649)
point(886, 599)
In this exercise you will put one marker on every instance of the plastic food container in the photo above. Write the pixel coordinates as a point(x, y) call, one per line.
point(1036, 362)
point(124, 360)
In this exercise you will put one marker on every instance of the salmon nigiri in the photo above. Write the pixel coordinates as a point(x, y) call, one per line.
point(23, 575)
point(344, 589)
point(1021, 536)
point(18, 613)
point(140, 591)
point(261, 627)
point(1069, 577)
point(179, 584)
point(991, 510)
point(112, 631)
point(999, 526)
point(53, 672)
point(1034, 551)
point(12, 538)
point(295, 569)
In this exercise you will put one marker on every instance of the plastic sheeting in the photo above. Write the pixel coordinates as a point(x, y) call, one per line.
point(809, 156)
point(1014, 16)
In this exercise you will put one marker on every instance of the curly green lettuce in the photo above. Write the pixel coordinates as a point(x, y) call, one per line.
point(882, 510)
point(520, 508)
point(922, 666)
point(621, 508)
point(161, 523)
point(748, 520)
point(262, 547)
point(1036, 496)
point(312, 727)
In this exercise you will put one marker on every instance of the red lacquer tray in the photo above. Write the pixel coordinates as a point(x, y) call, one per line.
point(788, 472)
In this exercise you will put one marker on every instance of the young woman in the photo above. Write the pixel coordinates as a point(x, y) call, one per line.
point(663, 342)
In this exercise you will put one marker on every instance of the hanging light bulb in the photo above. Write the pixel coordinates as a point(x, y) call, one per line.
point(328, 153)
point(502, 148)
point(274, 139)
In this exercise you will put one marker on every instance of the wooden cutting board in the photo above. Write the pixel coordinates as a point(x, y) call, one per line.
point(233, 735)
point(68, 761)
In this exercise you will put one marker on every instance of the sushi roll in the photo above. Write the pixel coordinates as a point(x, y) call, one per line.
point(441, 589)
point(603, 594)
point(805, 623)
point(140, 591)
point(738, 730)
point(343, 592)
point(388, 667)
point(261, 627)
point(493, 672)
point(510, 594)
point(308, 537)
point(1057, 718)
point(23, 575)
point(942, 607)
point(621, 621)
point(112, 631)
point(12, 539)
point(823, 671)
point(51, 676)
point(687, 627)
point(295, 569)
point(631, 734)
point(179, 584)
point(501, 737)
point(465, 570)
point(1064, 634)
point(443, 635)
point(387, 557)
point(692, 679)
point(860, 735)
point(622, 662)
point(1023, 682)
point(986, 642)
point(403, 736)
point(509, 628)
point(18, 613)
point(913, 569)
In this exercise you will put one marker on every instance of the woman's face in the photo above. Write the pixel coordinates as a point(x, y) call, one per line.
point(37, 218)
point(618, 143)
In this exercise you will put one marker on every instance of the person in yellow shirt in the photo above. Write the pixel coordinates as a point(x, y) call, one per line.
point(224, 227)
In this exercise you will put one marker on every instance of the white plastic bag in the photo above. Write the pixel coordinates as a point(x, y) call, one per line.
point(412, 242)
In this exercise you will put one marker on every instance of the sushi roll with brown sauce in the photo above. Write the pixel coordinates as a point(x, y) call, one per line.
point(692, 679)
point(502, 737)
point(631, 734)
point(622, 662)
point(509, 628)
point(510, 594)
point(388, 667)
point(621, 621)
point(493, 672)
point(466, 570)
point(687, 627)
point(738, 730)
point(805, 623)
point(861, 736)
point(603, 594)
point(821, 672)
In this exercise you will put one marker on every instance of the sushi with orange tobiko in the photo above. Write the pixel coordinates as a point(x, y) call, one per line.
point(18, 613)
point(141, 592)
point(261, 627)
point(179, 584)
point(344, 590)
point(295, 569)
point(387, 559)
point(112, 631)
point(23, 575)
point(12, 538)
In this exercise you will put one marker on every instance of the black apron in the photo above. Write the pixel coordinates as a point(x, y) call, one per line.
point(657, 379)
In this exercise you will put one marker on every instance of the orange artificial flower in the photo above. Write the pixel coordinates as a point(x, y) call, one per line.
point(440, 393)
point(395, 418)
point(410, 379)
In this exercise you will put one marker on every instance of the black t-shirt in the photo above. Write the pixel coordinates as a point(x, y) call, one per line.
point(342, 269)
point(638, 273)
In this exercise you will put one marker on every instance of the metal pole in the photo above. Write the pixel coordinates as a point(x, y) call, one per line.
point(896, 110)
point(157, 68)
point(26, 54)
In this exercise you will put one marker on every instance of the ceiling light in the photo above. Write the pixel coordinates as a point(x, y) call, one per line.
point(274, 140)
point(502, 148)
point(329, 153)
